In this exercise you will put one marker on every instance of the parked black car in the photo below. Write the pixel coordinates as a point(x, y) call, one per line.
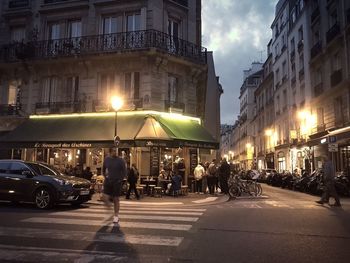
point(42, 184)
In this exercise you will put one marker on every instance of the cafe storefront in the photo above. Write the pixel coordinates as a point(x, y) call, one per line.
point(149, 139)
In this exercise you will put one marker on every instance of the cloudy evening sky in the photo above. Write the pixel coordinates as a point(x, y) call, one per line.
point(237, 31)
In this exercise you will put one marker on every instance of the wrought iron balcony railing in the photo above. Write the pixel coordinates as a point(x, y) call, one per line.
point(9, 109)
point(103, 44)
point(18, 3)
point(59, 107)
point(129, 104)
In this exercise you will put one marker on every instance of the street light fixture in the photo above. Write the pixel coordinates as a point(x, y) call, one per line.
point(116, 103)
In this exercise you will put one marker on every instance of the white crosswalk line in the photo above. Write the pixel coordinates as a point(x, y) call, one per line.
point(84, 222)
point(128, 216)
point(100, 207)
point(90, 236)
point(145, 211)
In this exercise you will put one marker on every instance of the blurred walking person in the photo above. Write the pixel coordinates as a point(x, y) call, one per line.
point(114, 170)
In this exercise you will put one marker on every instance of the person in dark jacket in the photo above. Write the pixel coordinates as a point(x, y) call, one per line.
point(224, 174)
point(87, 174)
point(328, 181)
point(133, 175)
point(114, 171)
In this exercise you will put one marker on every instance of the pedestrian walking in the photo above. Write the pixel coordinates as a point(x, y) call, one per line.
point(205, 177)
point(328, 182)
point(212, 177)
point(224, 174)
point(114, 170)
point(133, 175)
point(198, 176)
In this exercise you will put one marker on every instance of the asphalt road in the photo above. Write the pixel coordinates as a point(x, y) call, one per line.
point(284, 226)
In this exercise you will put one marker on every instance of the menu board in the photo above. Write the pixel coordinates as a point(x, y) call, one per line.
point(193, 160)
point(154, 161)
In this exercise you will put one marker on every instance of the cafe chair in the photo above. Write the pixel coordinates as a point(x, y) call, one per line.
point(184, 189)
point(140, 189)
point(158, 191)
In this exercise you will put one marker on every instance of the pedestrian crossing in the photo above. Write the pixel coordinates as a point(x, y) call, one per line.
point(275, 204)
point(139, 226)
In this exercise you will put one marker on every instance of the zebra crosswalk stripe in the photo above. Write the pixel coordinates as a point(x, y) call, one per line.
point(90, 236)
point(129, 216)
point(82, 222)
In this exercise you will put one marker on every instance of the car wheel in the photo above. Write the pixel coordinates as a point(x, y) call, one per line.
point(43, 198)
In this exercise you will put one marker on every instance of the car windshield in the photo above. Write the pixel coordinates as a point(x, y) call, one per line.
point(43, 169)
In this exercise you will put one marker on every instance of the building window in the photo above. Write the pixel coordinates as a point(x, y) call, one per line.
point(109, 25)
point(49, 90)
point(320, 118)
point(74, 29)
point(284, 68)
point(18, 34)
point(108, 87)
point(132, 85)
point(174, 33)
point(133, 22)
point(336, 64)
point(71, 90)
point(301, 34)
point(173, 89)
point(292, 44)
point(301, 61)
point(338, 111)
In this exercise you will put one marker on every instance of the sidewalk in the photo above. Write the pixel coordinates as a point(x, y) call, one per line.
point(191, 199)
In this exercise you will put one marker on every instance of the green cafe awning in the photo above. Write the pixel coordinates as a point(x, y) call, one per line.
point(137, 128)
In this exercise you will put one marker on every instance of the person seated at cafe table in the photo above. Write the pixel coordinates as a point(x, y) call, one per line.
point(176, 180)
point(163, 180)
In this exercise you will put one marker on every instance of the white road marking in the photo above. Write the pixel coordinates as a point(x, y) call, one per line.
point(144, 211)
point(278, 204)
point(84, 222)
point(128, 216)
point(95, 209)
point(208, 199)
point(150, 203)
point(89, 212)
point(91, 236)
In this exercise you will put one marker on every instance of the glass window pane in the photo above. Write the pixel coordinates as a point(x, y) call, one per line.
point(18, 168)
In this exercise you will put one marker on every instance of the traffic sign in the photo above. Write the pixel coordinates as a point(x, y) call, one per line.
point(333, 147)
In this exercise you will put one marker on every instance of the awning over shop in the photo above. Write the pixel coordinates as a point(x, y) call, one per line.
point(137, 128)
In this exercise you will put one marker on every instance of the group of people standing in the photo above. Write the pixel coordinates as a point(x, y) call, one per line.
point(212, 176)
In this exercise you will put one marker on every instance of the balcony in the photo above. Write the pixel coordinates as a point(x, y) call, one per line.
point(318, 89)
point(336, 77)
point(332, 32)
point(18, 3)
point(59, 107)
point(174, 106)
point(181, 2)
point(103, 44)
point(316, 49)
point(10, 109)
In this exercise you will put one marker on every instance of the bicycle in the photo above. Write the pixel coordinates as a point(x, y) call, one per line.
point(238, 186)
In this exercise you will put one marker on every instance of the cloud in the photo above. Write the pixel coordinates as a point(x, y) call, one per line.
point(238, 32)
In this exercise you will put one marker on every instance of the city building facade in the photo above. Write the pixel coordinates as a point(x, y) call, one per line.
point(70, 57)
point(309, 53)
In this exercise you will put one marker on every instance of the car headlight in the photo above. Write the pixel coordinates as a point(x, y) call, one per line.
point(61, 182)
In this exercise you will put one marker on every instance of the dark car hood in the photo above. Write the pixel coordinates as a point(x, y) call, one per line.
point(71, 179)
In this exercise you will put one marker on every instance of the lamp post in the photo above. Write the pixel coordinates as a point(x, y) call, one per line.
point(116, 103)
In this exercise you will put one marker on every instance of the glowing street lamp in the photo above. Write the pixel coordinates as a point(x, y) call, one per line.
point(116, 103)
